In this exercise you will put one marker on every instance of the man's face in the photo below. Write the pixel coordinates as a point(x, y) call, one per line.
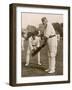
point(44, 21)
point(33, 36)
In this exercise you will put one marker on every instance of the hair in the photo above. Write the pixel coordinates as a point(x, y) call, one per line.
point(35, 33)
point(43, 18)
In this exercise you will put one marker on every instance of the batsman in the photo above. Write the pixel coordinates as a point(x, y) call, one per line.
point(34, 43)
point(50, 38)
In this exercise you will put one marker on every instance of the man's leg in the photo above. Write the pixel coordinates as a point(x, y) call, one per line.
point(22, 43)
point(27, 57)
point(52, 58)
point(48, 69)
point(52, 62)
point(51, 68)
point(39, 52)
point(39, 58)
point(52, 43)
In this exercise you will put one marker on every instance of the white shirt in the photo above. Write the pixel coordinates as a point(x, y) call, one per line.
point(35, 42)
point(49, 30)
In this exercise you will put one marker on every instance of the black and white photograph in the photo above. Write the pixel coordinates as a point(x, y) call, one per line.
point(40, 44)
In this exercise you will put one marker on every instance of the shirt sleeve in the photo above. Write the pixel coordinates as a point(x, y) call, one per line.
point(49, 31)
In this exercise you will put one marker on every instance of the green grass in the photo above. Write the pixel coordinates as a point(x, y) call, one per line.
point(34, 69)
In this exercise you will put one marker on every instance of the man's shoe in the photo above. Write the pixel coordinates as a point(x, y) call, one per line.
point(26, 64)
point(46, 70)
point(39, 63)
point(52, 71)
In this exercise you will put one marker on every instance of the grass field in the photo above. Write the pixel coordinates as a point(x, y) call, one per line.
point(34, 69)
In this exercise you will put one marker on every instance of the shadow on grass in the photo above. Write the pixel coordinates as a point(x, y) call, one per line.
point(35, 70)
point(33, 66)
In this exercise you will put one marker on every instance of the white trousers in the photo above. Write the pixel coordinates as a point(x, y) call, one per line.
point(29, 54)
point(22, 43)
point(52, 51)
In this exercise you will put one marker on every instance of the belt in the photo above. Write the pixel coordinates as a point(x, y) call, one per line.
point(33, 45)
point(52, 36)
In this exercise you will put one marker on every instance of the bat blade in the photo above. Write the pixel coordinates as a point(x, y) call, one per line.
point(37, 50)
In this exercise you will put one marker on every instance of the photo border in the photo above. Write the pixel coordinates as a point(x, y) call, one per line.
point(12, 63)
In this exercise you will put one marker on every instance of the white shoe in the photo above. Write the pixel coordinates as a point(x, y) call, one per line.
point(46, 70)
point(51, 71)
point(39, 63)
point(26, 64)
